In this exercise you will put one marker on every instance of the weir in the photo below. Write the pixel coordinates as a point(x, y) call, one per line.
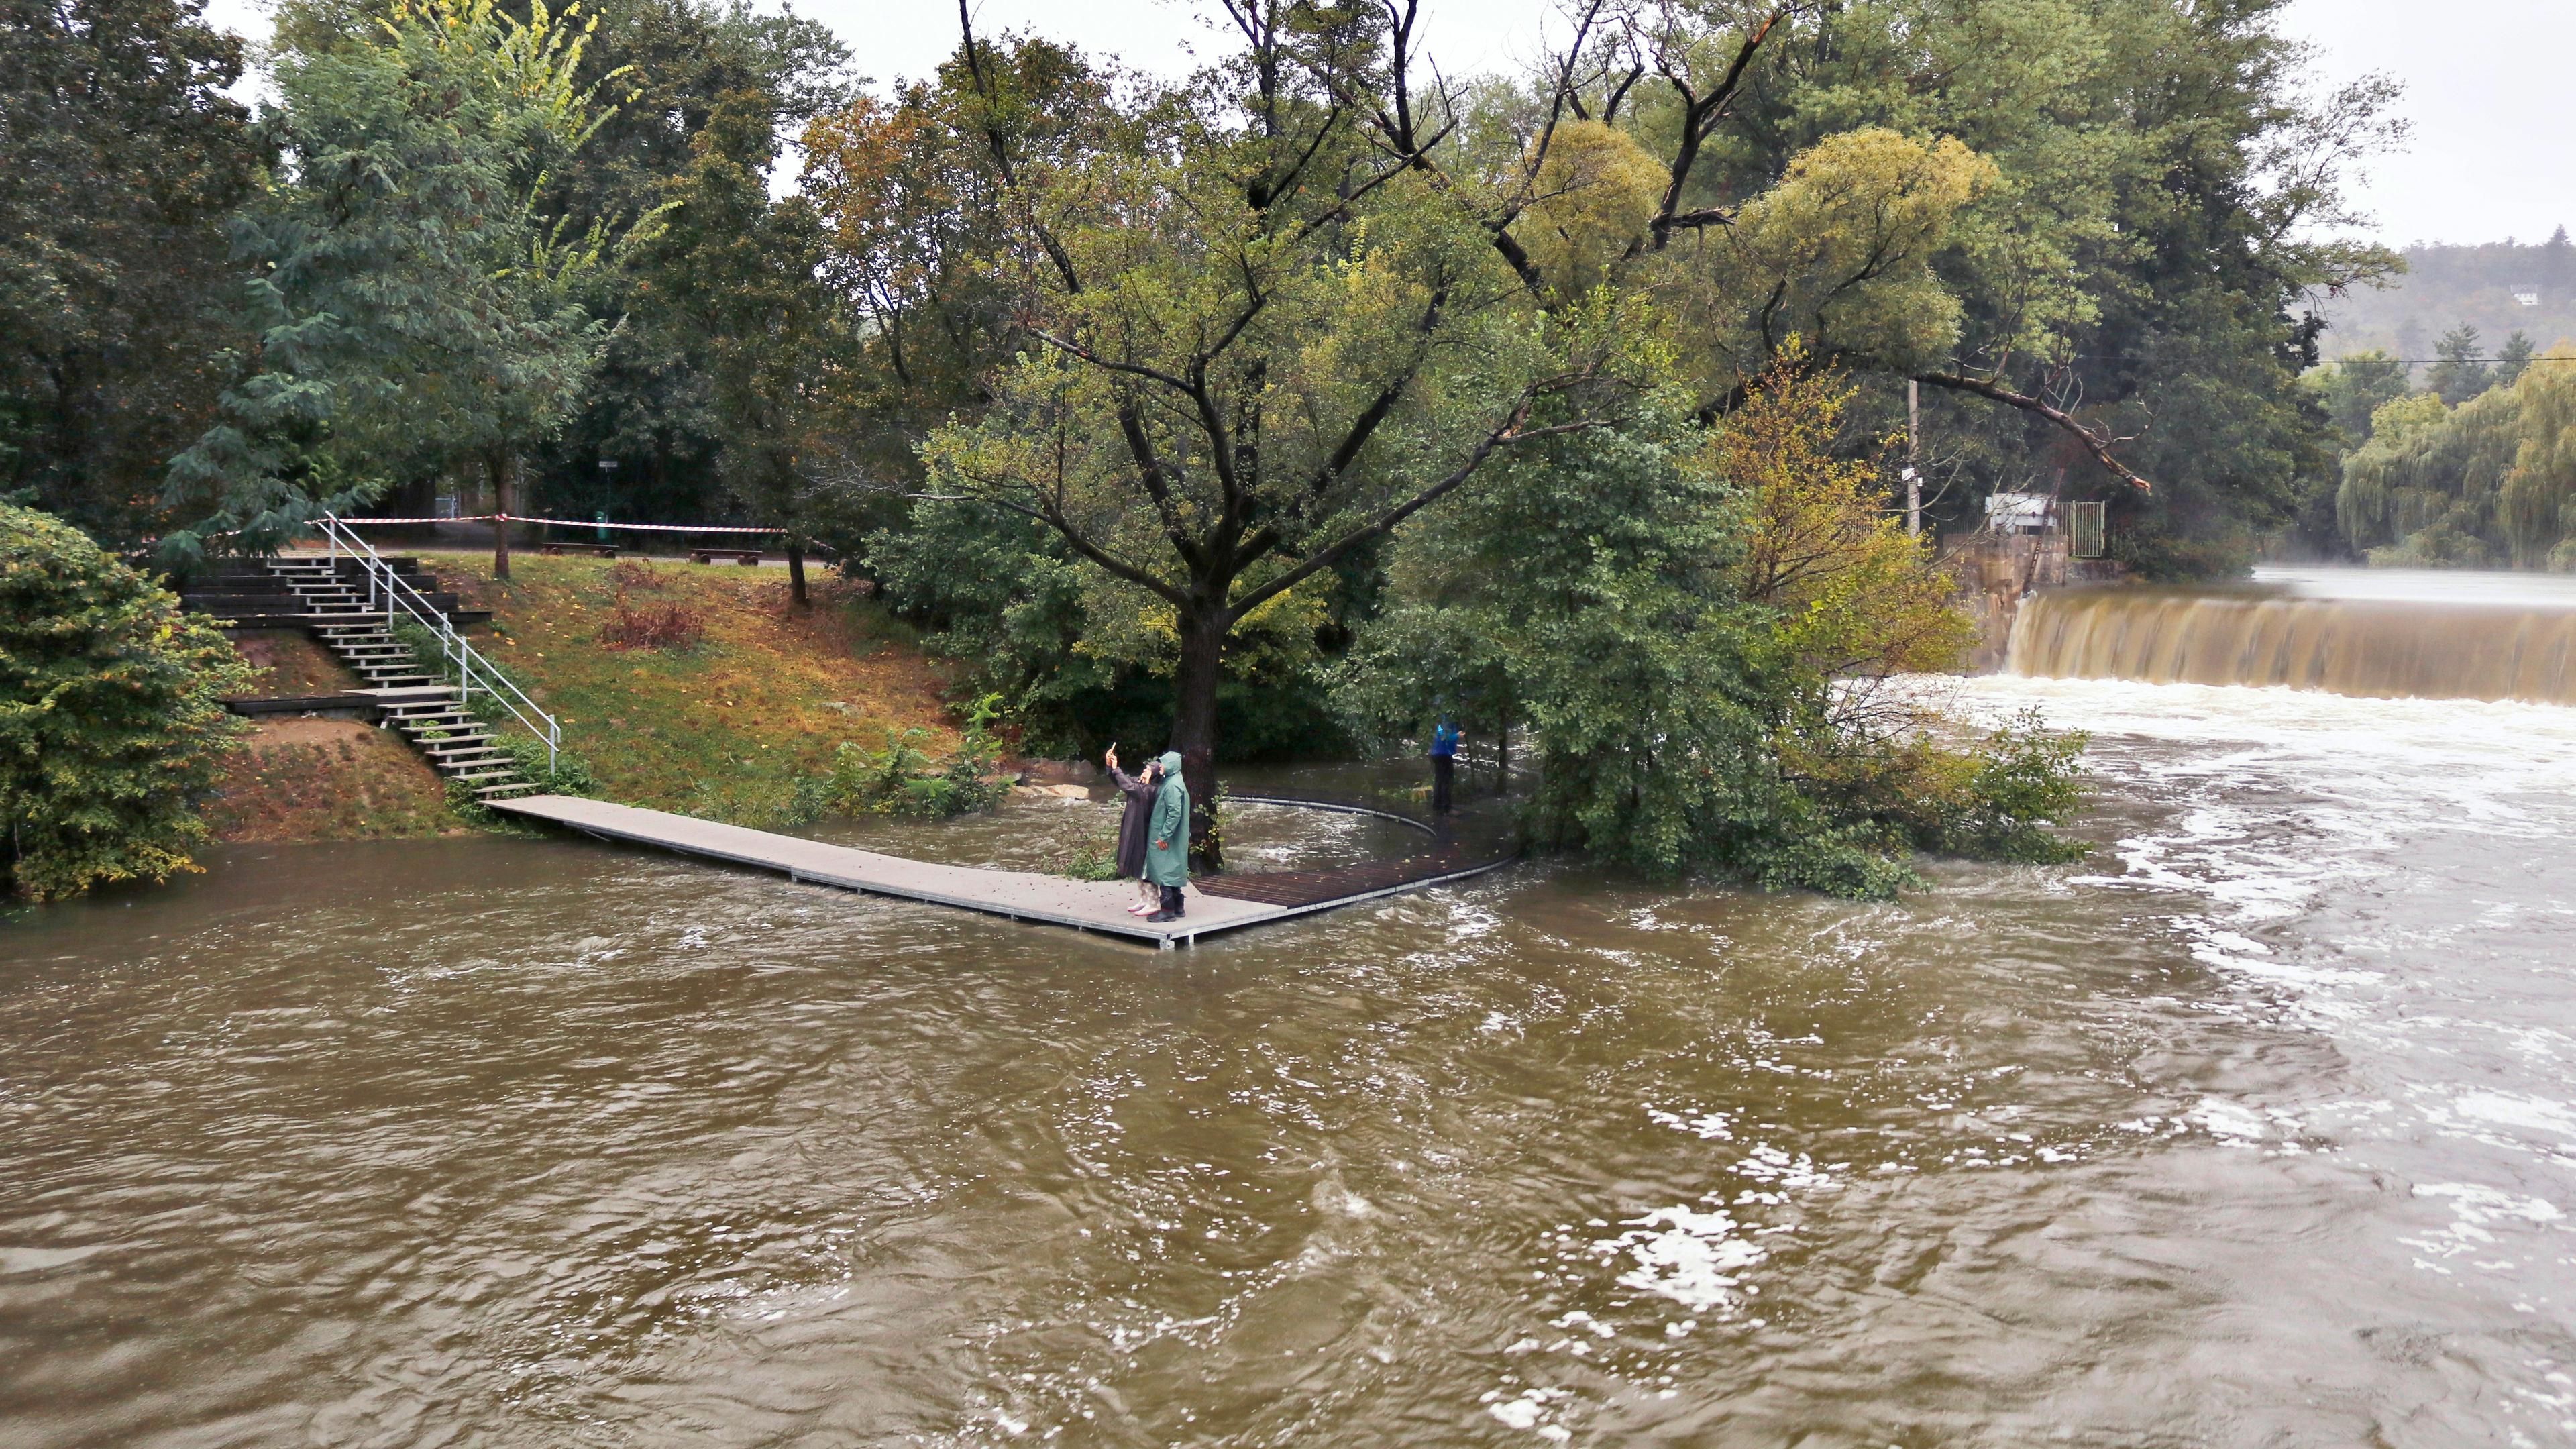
point(2347, 632)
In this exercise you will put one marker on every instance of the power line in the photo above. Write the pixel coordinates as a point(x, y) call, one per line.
point(2433, 361)
point(2532, 361)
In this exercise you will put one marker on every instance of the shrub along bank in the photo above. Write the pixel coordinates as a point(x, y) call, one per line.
point(111, 729)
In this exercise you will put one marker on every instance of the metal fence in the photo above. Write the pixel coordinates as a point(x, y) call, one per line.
point(2090, 529)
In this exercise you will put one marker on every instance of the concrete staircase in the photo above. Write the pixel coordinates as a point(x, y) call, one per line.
point(251, 593)
point(414, 700)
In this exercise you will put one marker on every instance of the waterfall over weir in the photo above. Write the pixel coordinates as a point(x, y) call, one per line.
point(2380, 633)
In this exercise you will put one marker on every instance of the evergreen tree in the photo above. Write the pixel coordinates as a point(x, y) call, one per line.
point(119, 157)
point(733, 275)
point(649, 409)
point(2461, 373)
point(2513, 357)
point(2352, 388)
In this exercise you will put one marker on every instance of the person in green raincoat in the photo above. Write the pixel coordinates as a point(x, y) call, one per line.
point(1167, 839)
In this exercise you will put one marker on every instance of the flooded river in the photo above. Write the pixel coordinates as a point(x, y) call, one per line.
point(2257, 1128)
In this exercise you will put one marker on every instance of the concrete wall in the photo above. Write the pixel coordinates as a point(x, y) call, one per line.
point(1996, 570)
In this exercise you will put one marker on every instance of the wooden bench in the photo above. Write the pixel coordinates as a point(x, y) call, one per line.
point(604, 550)
point(746, 556)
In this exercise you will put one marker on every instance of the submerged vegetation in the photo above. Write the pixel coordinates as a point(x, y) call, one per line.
point(1700, 631)
point(899, 779)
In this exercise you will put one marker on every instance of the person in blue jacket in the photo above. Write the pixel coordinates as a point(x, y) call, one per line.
point(1444, 765)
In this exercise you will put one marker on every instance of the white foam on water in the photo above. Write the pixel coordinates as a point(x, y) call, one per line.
point(2472, 1203)
point(2390, 874)
point(2540, 1114)
point(1693, 1256)
point(1530, 1409)
point(2281, 797)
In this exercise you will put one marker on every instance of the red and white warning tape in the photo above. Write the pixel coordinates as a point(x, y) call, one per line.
point(570, 523)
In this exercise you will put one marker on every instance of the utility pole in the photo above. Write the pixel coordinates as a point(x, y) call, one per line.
point(500, 465)
point(1913, 459)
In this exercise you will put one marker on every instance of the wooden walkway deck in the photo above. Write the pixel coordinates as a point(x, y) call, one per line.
point(1223, 903)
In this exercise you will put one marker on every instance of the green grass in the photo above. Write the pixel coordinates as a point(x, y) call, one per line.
point(725, 729)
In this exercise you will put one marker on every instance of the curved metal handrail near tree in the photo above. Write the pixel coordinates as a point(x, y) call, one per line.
point(1345, 807)
point(1449, 857)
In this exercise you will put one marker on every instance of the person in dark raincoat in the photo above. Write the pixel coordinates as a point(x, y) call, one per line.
point(1132, 827)
point(1167, 852)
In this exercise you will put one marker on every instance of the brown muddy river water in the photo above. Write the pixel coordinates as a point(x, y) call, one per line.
point(2257, 1129)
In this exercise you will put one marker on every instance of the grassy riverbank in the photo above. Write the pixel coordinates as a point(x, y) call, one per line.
point(296, 779)
point(327, 779)
point(699, 688)
point(292, 662)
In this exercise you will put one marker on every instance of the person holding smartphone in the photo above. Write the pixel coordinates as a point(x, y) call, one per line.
point(1167, 851)
point(1132, 827)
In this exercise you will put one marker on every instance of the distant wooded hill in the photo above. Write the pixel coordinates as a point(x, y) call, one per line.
point(2498, 288)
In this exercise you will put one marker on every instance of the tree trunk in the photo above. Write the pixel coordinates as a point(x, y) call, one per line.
point(1503, 757)
point(1194, 728)
point(796, 570)
point(498, 464)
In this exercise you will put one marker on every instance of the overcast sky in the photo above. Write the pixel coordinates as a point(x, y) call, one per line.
point(2489, 157)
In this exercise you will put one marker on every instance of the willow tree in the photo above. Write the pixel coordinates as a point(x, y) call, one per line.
point(2492, 481)
point(1252, 340)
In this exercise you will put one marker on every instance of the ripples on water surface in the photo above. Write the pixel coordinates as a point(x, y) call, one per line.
point(2254, 1130)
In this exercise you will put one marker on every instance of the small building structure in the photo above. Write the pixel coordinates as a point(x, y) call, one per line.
point(2023, 548)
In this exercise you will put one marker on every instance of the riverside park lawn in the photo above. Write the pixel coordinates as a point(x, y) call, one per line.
point(721, 727)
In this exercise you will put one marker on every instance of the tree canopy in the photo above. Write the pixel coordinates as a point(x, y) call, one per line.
point(121, 156)
point(411, 307)
point(1230, 386)
point(2488, 483)
point(1219, 340)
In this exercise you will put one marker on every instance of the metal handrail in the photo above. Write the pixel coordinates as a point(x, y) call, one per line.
point(462, 658)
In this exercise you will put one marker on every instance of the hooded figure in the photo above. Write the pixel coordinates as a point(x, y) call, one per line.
point(1167, 851)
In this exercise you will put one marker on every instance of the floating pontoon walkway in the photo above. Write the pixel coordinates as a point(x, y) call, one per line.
point(1098, 906)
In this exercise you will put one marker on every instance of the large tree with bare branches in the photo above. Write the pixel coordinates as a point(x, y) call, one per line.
point(1254, 336)
point(1231, 333)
